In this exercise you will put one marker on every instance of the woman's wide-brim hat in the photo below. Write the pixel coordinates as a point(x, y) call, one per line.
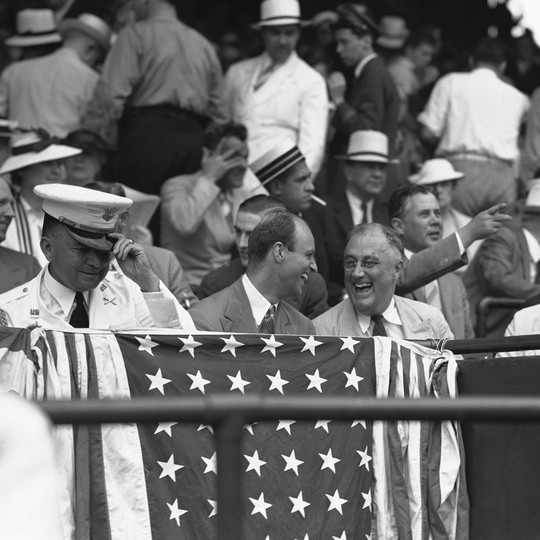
point(34, 27)
point(367, 146)
point(434, 171)
point(280, 13)
point(36, 147)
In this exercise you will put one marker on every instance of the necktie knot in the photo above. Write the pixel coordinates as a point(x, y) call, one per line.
point(378, 326)
point(267, 324)
point(79, 316)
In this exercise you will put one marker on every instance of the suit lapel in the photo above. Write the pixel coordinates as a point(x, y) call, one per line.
point(525, 254)
point(284, 325)
point(413, 325)
point(343, 212)
point(237, 316)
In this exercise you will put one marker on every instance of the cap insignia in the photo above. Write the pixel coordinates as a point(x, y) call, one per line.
point(110, 213)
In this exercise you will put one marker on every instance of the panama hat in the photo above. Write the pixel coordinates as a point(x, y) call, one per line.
point(35, 147)
point(34, 27)
point(91, 25)
point(279, 13)
point(393, 32)
point(367, 146)
point(276, 161)
point(88, 215)
point(434, 171)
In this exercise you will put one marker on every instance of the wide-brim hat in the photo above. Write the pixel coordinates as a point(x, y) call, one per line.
point(280, 13)
point(88, 215)
point(7, 128)
point(367, 146)
point(276, 161)
point(91, 25)
point(393, 32)
point(434, 171)
point(34, 27)
point(88, 141)
point(32, 148)
point(532, 202)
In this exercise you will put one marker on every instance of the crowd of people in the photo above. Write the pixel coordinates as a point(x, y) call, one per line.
point(344, 181)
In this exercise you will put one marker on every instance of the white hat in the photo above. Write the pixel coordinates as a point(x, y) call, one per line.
point(88, 215)
point(91, 25)
point(279, 13)
point(367, 145)
point(393, 32)
point(434, 171)
point(34, 27)
point(35, 147)
point(276, 161)
point(532, 203)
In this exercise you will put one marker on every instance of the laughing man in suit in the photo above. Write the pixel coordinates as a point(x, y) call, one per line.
point(281, 253)
point(372, 262)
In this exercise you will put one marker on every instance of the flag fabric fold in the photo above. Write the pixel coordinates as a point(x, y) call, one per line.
point(316, 479)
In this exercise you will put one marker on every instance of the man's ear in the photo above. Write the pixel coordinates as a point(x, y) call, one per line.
point(47, 247)
point(397, 225)
point(399, 267)
point(278, 251)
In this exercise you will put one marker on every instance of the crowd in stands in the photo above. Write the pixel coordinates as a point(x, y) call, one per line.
point(347, 177)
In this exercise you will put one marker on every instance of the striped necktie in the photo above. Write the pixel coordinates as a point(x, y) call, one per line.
point(268, 323)
point(378, 326)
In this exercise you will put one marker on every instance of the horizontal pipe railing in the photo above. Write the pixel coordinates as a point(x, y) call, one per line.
point(484, 345)
point(253, 408)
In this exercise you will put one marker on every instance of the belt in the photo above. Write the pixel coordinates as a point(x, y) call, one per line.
point(476, 156)
point(165, 109)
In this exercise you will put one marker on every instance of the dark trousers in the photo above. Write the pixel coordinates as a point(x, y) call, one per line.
point(155, 144)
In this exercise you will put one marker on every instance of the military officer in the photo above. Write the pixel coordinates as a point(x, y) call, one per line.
point(76, 288)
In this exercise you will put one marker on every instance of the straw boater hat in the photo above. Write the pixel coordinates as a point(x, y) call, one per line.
point(35, 147)
point(367, 146)
point(280, 13)
point(276, 161)
point(88, 215)
point(7, 128)
point(34, 27)
point(394, 32)
point(91, 25)
point(434, 171)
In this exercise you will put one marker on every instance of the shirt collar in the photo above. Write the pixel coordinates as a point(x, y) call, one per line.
point(358, 69)
point(390, 315)
point(259, 304)
point(61, 293)
point(533, 245)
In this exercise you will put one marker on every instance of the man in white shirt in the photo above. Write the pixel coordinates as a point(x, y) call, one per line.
point(76, 290)
point(373, 261)
point(281, 254)
point(277, 95)
point(474, 119)
point(52, 91)
point(416, 217)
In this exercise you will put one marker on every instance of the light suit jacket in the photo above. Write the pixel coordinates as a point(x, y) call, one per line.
point(117, 303)
point(419, 321)
point(291, 104)
point(229, 310)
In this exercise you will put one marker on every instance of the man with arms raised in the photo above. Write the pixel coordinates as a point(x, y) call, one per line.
point(76, 289)
point(372, 261)
point(416, 217)
point(311, 302)
point(281, 253)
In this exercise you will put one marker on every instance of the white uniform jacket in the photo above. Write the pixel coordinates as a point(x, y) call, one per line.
point(117, 303)
point(291, 104)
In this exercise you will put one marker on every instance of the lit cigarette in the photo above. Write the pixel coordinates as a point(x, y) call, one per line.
point(320, 201)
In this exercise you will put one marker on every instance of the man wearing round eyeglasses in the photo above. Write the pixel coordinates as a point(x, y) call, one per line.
point(373, 259)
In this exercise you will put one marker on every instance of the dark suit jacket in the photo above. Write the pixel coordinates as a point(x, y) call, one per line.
point(16, 268)
point(229, 310)
point(500, 268)
point(311, 303)
point(372, 102)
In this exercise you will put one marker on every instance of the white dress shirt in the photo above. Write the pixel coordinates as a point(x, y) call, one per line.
point(392, 322)
point(259, 304)
point(534, 251)
point(355, 204)
point(475, 112)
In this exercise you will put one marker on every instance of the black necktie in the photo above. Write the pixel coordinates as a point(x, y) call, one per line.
point(267, 324)
point(79, 317)
point(378, 326)
point(364, 213)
